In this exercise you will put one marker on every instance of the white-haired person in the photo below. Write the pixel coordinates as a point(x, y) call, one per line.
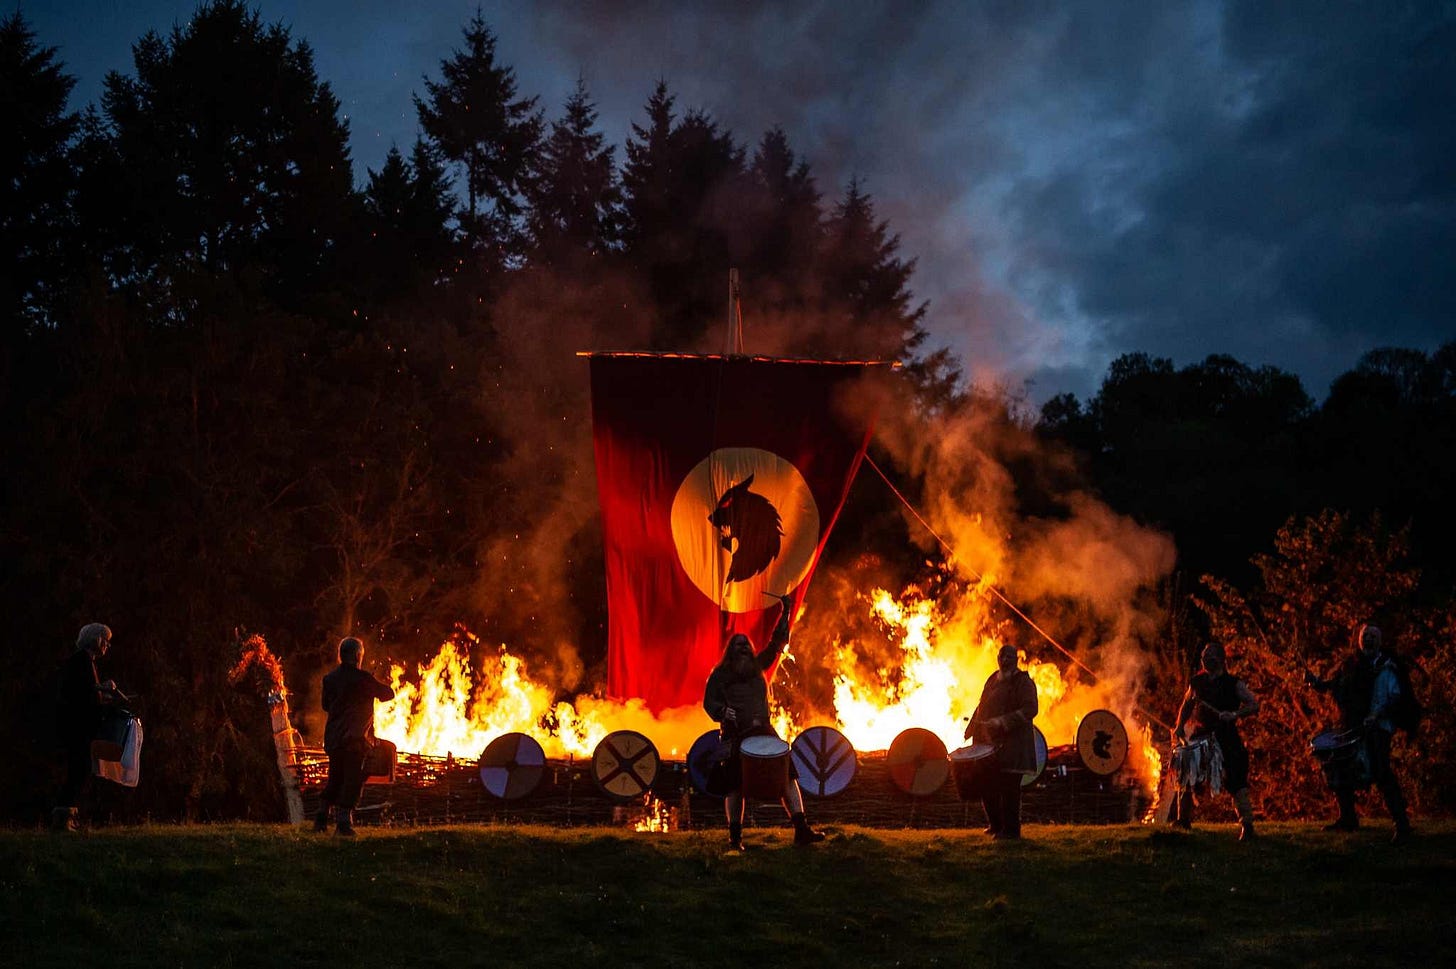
point(81, 702)
point(348, 699)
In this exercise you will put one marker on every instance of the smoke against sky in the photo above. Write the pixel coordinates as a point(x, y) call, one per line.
point(1076, 180)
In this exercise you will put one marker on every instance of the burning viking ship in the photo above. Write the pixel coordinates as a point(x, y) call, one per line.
point(720, 478)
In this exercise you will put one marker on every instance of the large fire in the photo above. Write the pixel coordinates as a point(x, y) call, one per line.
point(467, 695)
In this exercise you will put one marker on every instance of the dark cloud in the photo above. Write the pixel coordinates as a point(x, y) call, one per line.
point(1270, 180)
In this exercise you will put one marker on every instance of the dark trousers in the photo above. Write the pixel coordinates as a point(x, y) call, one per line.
point(346, 776)
point(1003, 805)
point(1377, 748)
point(77, 754)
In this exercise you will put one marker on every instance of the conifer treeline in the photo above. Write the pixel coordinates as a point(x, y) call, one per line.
point(245, 386)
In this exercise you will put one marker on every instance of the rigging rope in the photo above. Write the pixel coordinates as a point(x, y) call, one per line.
point(991, 588)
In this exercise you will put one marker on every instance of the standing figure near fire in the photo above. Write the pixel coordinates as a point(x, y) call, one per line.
point(82, 703)
point(736, 696)
point(1367, 690)
point(1008, 705)
point(349, 695)
point(1212, 706)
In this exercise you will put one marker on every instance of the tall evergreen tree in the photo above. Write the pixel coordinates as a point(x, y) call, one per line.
point(407, 213)
point(683, 188)
point(475, 119)
point(235, 159)
point(575, 202)
point(867, 283)
point(787, 223)
point(35, 176)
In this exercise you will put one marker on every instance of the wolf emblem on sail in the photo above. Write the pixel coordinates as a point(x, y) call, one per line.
point(749, 526)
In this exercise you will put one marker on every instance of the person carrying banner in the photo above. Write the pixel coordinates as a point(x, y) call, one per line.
point(736, 695)
point(348, 699)
point(80, 706)
point(1369, 693)
point(1212, 706)
point(1008, 705)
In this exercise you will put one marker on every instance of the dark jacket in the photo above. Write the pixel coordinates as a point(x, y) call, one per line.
point(1013, 701)
point(349, 695)
point(79, 706)
point(748, 697)
point(1351, 685)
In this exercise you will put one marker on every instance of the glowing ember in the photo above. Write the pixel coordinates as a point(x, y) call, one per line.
point(656, 817)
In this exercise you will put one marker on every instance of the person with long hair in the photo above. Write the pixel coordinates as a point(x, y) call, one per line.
point(1212, 707)
point(736, 696)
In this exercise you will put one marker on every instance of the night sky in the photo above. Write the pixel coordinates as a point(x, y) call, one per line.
point(1274, 181)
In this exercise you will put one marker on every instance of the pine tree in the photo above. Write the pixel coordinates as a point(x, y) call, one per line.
point(684, 190)
point(787, 223)
point(475, 119)
point(235, 159)
point(35, 176)
point(407, 212)
point(575, 200)
point(867, 283)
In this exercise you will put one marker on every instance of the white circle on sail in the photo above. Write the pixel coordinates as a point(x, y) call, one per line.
point(745, 524)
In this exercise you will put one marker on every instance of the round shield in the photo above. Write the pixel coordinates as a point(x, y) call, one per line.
point(1102, 742)
point(624, 764)
point(825, 761)
point(512, 766)
point(700, 761)
point(917, 761)
point(1041, 757)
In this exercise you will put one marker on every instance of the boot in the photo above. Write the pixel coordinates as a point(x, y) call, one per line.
point(803, 834)
point(65, 819)
point(1402, 829)
point(1348, 819)
point(735, 836)
point(346, 823)
point(1246, 815)
point(321, 820)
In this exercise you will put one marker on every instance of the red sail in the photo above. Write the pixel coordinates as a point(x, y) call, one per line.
point(719, 480)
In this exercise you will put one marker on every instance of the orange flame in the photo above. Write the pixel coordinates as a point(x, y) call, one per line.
point(466, 696)
point(456, 705)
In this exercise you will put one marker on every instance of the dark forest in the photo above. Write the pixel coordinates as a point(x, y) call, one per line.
point(249, 389)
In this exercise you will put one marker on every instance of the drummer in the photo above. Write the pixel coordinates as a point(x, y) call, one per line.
point(1213, 705)
point(1008, 705)
point(1365, 688)
point(737, 697)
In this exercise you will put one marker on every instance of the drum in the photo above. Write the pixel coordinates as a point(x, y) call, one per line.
point(974, 769)
point(379, 763)
point(765, 767)
point(110, 738)
point(1343, 758)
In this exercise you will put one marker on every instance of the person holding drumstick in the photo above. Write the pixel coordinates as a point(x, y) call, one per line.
point(736, 696)
point(1213, 704)
point(1367, 689)
point(1008, 705)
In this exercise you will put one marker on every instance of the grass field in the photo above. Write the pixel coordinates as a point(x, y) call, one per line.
point(248, 895)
